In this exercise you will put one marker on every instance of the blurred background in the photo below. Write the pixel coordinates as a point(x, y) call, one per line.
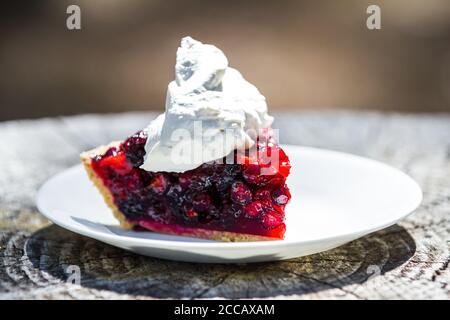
point(302, 55)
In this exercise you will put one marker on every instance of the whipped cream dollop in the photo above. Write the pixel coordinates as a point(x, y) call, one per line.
point(210, 111)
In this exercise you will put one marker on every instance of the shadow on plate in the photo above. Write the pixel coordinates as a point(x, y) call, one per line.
point(53, 249)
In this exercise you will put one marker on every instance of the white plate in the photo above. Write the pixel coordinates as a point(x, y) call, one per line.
point(336, 198)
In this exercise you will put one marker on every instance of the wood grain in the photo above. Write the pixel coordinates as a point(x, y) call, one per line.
point(406, 261)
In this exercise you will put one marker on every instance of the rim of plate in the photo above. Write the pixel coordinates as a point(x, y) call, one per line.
point(250, 244)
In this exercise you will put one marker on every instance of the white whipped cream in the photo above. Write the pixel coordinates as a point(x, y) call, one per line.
point(210, 111)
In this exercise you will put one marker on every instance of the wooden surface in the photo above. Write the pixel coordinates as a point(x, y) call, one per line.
point(409, 260)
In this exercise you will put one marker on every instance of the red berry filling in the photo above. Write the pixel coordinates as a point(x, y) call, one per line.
point(215, 196)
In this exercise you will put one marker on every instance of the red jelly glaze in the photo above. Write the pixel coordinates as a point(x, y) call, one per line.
point(214, 196)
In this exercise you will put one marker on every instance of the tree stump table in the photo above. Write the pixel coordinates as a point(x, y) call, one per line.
point(409, 260)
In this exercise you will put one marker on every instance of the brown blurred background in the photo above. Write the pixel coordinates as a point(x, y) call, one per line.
point(300, 54)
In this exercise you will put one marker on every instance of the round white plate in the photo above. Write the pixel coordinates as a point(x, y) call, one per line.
point(336, 198)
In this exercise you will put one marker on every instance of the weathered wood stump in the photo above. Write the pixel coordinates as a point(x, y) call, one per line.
point(408, 260)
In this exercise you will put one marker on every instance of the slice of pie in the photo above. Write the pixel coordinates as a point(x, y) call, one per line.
point(208, 167)
point(220, 201)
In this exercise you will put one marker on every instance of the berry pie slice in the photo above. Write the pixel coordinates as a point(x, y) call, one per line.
point(219, 201)
point(208, 167)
